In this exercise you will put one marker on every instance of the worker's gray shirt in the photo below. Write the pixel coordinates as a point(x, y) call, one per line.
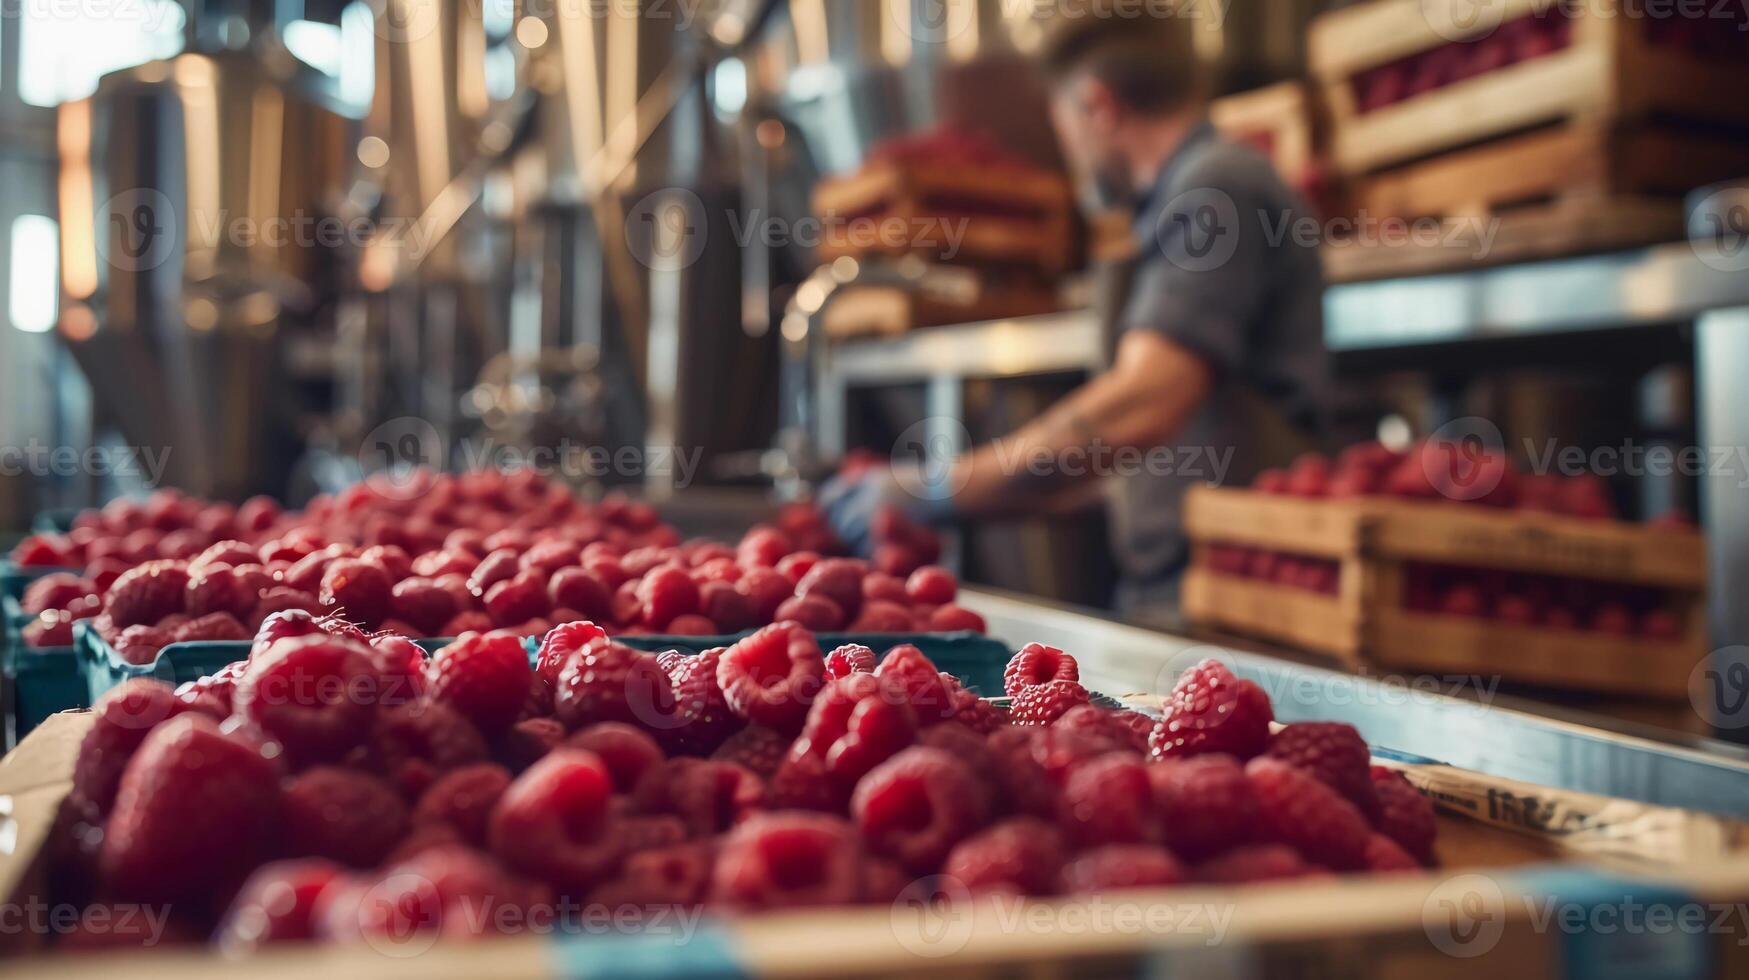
point(1227, 266)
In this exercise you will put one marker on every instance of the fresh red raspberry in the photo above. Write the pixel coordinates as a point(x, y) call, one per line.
point(916, 806)
point(763, 547)
point(563, 641)
point(306, 573)
point(551, 555)
point(195, 811)
point(886, 588)
point(147, 593)
point(880, 616)
point(1104, 723)
point(400, 668)
point(932, 585)
point(608, 569)
point(728, 607)
point(641, 832)
point(661, 877)
point(219, 627)
point(628, 609)
point(627, 752)
point(1021, 855)
point(691, 624)
point(314, 695)
point(1386, 855)
point(1205, 803)
point(666, 593)
point(797, 564)
point(276, 905)
point(496, 567)
point(121, 720)
point(703, 719)
point(44, 551)
point(1108, 800)
point(440, 889)
point(971, 711)
point(608, 681)
point(1034, 764)
point(359, 589)
point(434, 564)
point(581, 590)
point(856, 723)
point(1043, 704)
point(527, 742)
point(906, 666)
point(463, 800)
point(1118, 866)
point(769, 678)
point(758, 750)
point(1314, 819)
point(837, 579)
point(1210, 710)
point(1258, 862)
point(640, 562)
point(286, 625)
point(801, 783)
point(956, 619)
point(57, 591)
point(711, 797)
point(484, 676)
point(217, 588)
point(50, 629)
point(815, 613)
point(472, 621)
point(281, 598)
point(1405, 815)
point(412, 744)
point(423, 603)
point(140, 645)
point(895, 559)
point(554, 824)
point(851, 658)
point(517, 599)
point(1038, 664)
point(788, 860)
point(1334, 753)
point(766, 588)
point(343, 815)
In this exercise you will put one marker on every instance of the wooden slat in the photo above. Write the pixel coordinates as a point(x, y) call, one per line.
point(1296, 617)
point(1322, 528)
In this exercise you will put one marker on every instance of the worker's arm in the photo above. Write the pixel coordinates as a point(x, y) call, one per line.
point(1141, 402)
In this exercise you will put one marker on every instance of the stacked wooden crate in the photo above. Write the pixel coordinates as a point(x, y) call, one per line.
point(1573, 127)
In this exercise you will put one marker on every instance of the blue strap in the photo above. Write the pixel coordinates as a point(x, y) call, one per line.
point(1608, 927)
point(707, 954)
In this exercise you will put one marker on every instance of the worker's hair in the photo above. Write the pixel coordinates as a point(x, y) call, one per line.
point(1143, 52)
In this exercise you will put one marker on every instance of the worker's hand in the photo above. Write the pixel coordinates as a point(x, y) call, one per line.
point(851, 500)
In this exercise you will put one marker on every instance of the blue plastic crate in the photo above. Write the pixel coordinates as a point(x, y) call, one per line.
point(39, 680)
point(176, 663)
point(55, 521)
point(15, 578)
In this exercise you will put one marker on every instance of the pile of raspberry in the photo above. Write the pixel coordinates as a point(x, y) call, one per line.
point(546, 559)
point(343, 788)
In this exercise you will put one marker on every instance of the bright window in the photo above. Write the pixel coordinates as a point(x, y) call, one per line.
point(34, 282)
point(64, 48)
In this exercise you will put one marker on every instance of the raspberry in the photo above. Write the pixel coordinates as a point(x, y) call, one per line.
point(313, 695)
point(1038, 664)
point(932, 585)
point(517, 599)
point(195, 811)
point(711, 797)
point(1334, 753)
point(916, 806)
point(763, 546)
point(797, 564)
point(665, 594)
point(343, 815)
point(956, 619)
point(276, 905)
point(856, 723)
point(769, 678)
point(146, 594)
point(1119, 866)
point(1405, 816)
point(1212, 711)
point(553, 822)
point(1385, 855)
point(1261, 862)
point(484, 676)
point(44, 551)
point(399, 664)
point(412, 744)
point(440, 889)
point(211, 628)
point(527, 742)
point(837, 579)
point(217, 588)
point(358, 588)
point(51, 629)
point(1205, 803)
point(766, 588)
point(472, 621)
point(551, 555)
point(424, 604)
point(57, 591)
point(642, 833)
point(758, 750)
point(140, 645)
point(492, 569)
point(463, 799)
point(1108, 800)
point(1314, 819)
point(973, 712)
point(607, 681)
point(627, 752)
point(879, 616)
point(813, 612)
point(728, 607)
point(660, 877)
point(434, 564)
point(559, 644)
point(579, 589)
point(691, 624)
point(789, 860)
point(906, 666)
point(886, 588)
point(702, 715)
point(801, 783)
point(1103, 723)
point(896, 559)
point(121, 720)
point(1042, 704)
point(1022, 855)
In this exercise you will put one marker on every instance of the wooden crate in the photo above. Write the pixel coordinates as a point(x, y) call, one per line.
point(1280, 120)
point(1376, 540)
point(1013, 216)
point(1610, 69)
point(885, 311)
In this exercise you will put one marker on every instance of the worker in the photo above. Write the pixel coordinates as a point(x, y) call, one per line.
point(1216, 339)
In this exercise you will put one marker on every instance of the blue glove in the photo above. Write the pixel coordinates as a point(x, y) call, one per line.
point(851, 502)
